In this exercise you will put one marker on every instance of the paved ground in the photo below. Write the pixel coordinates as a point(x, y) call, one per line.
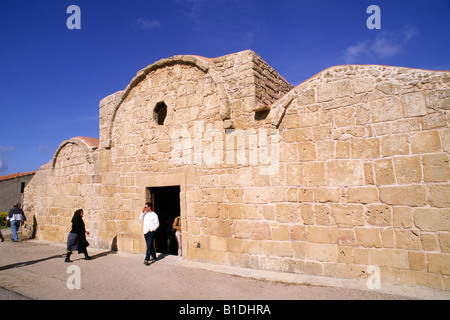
point(35, 270)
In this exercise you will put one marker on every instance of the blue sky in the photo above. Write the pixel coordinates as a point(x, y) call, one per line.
point(52, 78)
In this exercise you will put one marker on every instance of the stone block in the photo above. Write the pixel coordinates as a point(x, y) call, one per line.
point(314, 173)
point(344, 117)
point(298, 232)
point(403, 217)
point(438, 99)
point(408, 240)
point(361, 256)
point(436, 167)
point(387, 237)
point(307, 213)
point(414, 105)
point(440, 196)
point(306, 151)
point(294, 174)
point(251, 212)
point(292, 195)
point(379, 215)
point(325, 194)
point(368, 173)
point(325, 92)
point(394, 145)
point(253, 230)
point(287, 212)
point(319, 234)
point(256, 195)
point(389, 88)
point(367, 194)
point(342, 150)
point(425, 142)
point(384, 172)
point(348, 216)
point(433, 120)
point(390, 258)
point(429, 241)
point(343, 88)
point(417, 260)
point(235, 245)
point(408, 169)
point(280, 232)
point(218, 244)
point(307, 97)
point(446, 139)
point(439, 263)
point(388, 109)
point(368, 237)
point(411, 195)
point(284, 248)
point(344, 173)
point(444, 242)
point(322, 252)
point(363, 85)
point(325, 150)
point(305, 195)
point(431, 219)
point(234, 195)
point(365, 148)
point(322, 213)
point(346, 237)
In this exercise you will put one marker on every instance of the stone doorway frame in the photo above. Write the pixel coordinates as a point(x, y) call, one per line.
point(157, 180)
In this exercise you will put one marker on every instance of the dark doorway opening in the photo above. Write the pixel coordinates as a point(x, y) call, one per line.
point(166, 204)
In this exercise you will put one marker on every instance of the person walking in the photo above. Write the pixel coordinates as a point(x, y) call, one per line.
point(177, 227)
point(77, 237)
point(151, 223)
point(15, 217)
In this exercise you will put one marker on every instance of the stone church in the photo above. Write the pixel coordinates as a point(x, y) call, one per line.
point(349, 169)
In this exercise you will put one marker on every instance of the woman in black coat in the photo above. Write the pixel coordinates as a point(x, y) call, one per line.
point(77, 237)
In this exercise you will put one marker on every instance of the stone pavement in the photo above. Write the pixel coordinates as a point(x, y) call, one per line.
point(35, 269)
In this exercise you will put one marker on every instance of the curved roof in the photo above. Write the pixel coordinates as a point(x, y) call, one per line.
point(85, 143)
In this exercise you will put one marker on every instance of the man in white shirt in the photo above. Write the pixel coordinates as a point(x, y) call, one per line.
point(151, 223)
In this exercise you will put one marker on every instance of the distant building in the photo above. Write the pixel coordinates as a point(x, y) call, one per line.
point(10, 189)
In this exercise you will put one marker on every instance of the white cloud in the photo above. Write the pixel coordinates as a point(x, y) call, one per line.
point(44, 149)
point(4, 150)
point(147, 24)
point(3, 165)
point(385, 45)
point(352, 53)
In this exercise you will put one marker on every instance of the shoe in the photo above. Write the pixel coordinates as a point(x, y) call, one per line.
point(146, 262)
point(88, 258)
point(68, 258)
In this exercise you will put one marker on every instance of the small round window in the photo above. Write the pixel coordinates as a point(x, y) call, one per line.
point(160, 113)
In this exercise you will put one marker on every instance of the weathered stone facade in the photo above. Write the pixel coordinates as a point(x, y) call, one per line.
point(349, 169)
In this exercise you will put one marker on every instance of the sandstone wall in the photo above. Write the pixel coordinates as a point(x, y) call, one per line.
point(363, 180)
point(347, 170)
point(59, 188)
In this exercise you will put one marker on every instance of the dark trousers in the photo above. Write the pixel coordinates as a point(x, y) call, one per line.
point(149, 236)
